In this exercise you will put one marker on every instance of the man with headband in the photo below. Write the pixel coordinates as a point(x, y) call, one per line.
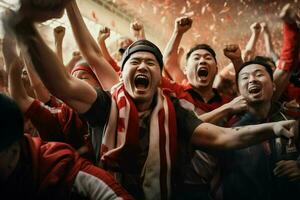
point(146, 130)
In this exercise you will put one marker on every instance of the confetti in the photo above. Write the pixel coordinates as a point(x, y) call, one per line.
point(189, 14)
point(224, 10)
point(183, 10)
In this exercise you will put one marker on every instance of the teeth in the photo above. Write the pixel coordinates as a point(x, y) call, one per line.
point(254, 89)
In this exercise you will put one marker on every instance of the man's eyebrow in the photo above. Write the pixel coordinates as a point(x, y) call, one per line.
point(244, 73)
point(199, 54)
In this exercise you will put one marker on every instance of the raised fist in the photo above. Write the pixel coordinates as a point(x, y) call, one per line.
point(137, 29)
point(59, 33)
point(104, 33)
point(289, 15)
point(183, 24)
point(255, 27)
point(264, 27)
point(232, 51)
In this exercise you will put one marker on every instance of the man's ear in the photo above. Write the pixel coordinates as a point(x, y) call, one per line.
point(120, 77)
point(184, 70)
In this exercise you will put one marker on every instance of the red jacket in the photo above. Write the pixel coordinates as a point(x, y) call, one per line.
point(54, 170)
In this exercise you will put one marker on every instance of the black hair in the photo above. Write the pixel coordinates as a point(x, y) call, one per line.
point(265, 59)
point(201, 46)
point(258, 62)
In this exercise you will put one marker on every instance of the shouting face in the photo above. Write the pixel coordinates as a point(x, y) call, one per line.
point(141, 75)
point(255, 84)
point(201, 68)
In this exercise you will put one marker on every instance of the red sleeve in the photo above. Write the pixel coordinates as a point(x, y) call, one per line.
point(60, 124)
point(174, 87)
point(54, 102)
point(115, 65)
point(45, 119)
point(95, 183)
point(62, 173)
point(290, 48)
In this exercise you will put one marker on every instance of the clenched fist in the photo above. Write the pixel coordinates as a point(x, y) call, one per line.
point(103, 34)
point(232, 51)
point(255, 27)
point(59, 33)
point(183, 24)
point(137, 29)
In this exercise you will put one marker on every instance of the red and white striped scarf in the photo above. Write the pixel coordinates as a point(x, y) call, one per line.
point(120, 145)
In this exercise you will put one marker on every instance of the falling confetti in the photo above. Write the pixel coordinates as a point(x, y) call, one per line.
point(183, 10)
point(224, 10)
point(189, 14)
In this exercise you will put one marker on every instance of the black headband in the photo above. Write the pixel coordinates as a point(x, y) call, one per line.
point(143, 45)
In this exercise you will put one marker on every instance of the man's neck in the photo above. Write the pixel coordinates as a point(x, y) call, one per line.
point(206, 93)
point(260, 110)
point(145, 105)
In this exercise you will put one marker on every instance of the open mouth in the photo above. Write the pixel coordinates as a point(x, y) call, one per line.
point(203, 72)
point(254, 89)
point(141, 81)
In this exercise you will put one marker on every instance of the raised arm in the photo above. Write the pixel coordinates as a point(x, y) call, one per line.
point(40, 91)
point(76, 56)
point(249, 51)
point(90, 50)
point(59, 34)
point(61, 84)
point(290, 50)
point(237, 105)
point(172, 66)
point(211, 137)
point(104, 33)
point(14, 66)
point(137, 29)
point(268, 42)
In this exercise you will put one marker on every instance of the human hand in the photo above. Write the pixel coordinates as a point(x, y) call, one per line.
point(76, 56)
point(287, 128)
point(287, 168)
point(237, 105)
point(137, 29)
point(264, 27)
point(255, 28)
point(232, 51)
point(59, 33)
point(103, 34)
point(183, 24)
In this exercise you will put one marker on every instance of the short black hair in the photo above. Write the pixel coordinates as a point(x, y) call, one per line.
point(265, 59)
point(258, 62)
point(11, 120)
point(201, 46)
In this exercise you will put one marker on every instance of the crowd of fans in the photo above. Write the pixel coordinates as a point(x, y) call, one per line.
point(136, 124)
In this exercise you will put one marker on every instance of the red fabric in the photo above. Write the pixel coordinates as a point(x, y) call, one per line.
point(120, 147)
point(55, 167)
point(181, 92)
point(290, 49)
point(60, 124)
point(292, 92)
point(86, 69)
point(115, 66)
point(54, 102)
